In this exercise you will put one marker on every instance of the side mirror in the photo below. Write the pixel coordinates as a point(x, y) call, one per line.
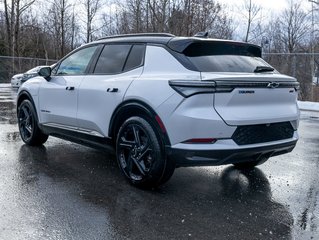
point(45, 72)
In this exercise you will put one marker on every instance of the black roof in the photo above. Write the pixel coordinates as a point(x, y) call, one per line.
point(177, 44)
point(159, 38)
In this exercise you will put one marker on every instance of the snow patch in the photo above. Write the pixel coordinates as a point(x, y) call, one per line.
point(308, 106)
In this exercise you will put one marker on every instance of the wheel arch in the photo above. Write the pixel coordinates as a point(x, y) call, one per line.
point(23, 95)
point(131, 108)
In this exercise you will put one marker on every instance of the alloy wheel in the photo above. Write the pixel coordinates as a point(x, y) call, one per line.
point(26, 123)
point(135, 152)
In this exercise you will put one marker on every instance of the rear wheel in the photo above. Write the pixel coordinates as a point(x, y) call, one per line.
point(140, 154)
point(28, 125)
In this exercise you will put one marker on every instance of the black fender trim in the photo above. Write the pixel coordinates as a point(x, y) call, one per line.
point(124, 108)
point(29, 97)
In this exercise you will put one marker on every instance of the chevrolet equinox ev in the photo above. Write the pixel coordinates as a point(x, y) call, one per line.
point(160, 102)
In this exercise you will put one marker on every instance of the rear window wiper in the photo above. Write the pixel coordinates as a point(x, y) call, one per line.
point(259, 69)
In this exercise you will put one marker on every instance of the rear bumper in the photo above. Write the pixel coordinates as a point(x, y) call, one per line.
point(191, 157)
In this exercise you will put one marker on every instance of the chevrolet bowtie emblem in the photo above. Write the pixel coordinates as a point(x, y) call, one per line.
point(273, 85)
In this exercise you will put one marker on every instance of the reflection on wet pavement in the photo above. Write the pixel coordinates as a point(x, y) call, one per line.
point(66, 191)
point(7, 105)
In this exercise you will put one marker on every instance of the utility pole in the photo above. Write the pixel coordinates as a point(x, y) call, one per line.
point(312, 48)
point(317, 3)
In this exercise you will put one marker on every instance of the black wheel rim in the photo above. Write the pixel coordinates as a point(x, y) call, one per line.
point(135, 152)
point(25, 118)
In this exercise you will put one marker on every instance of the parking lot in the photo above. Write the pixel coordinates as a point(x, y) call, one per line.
point(67, 191)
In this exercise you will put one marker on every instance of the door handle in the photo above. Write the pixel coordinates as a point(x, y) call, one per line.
point(112, 90)
point(69, 88)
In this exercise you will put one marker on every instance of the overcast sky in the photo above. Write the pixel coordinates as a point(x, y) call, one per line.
point(272, 5)
point(269, 10)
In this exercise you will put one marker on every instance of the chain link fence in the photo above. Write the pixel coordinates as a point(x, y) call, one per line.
point(303, 66)
point(10, 66)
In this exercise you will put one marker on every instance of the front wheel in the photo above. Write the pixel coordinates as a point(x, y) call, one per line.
point(140, 154)
point(29, 130)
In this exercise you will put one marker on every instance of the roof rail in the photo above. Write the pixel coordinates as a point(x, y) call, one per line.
point(201, 35)
point(139, 35)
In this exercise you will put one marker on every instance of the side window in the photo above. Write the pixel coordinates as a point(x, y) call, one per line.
point(77, 62)
point(112, 59)
point(136, 57)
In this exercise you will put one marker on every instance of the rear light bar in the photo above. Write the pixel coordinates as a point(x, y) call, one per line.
point(201, 140)
point(190, 88)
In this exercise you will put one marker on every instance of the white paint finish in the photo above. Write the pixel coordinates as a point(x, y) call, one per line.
point(160, 66)
point(193, 117)
point(159, 61)
point(263, 106)
point(32, 86)
point(56, 104)
point(96, 105)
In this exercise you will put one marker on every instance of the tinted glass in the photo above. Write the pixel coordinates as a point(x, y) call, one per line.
point(227, 63)
point(112, 59)
point(77, 62)
point(136, 57)
point(214, 56)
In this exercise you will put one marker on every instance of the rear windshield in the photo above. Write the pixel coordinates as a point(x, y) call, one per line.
point(225, 57)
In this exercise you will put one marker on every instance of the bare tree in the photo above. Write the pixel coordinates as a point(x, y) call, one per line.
point(59, 23)
point(180, 17)
point(13, 14)
point(252, 11)
point(295, 26)
point(91, 9)
point(290, 35)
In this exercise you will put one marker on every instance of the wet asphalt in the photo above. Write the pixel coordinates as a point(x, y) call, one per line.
point(67, 191)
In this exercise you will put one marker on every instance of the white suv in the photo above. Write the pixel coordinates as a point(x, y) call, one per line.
point(161, 102)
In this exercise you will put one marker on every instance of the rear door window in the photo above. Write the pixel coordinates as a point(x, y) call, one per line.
point(118, 58)
point(136, 57)
point(112, 59)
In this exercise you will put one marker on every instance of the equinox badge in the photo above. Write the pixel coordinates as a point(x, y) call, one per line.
point(273, 85)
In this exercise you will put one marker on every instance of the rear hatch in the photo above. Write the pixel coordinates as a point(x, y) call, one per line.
point(250, 99)
point(248, 90)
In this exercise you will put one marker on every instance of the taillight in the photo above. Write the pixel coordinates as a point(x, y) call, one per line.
point(160, 123)
point(190, 88)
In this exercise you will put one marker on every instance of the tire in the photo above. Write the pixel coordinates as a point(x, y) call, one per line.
point(251, 164)
point(28, 125)
point(140, 154)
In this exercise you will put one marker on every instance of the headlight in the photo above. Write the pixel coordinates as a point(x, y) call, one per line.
point(27, 76)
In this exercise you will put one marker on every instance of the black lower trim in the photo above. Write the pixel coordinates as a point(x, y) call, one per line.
point(262, 133)
point(184, 157)
point(80, 138)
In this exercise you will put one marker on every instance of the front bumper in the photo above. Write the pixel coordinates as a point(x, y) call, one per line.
point(213, 157)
